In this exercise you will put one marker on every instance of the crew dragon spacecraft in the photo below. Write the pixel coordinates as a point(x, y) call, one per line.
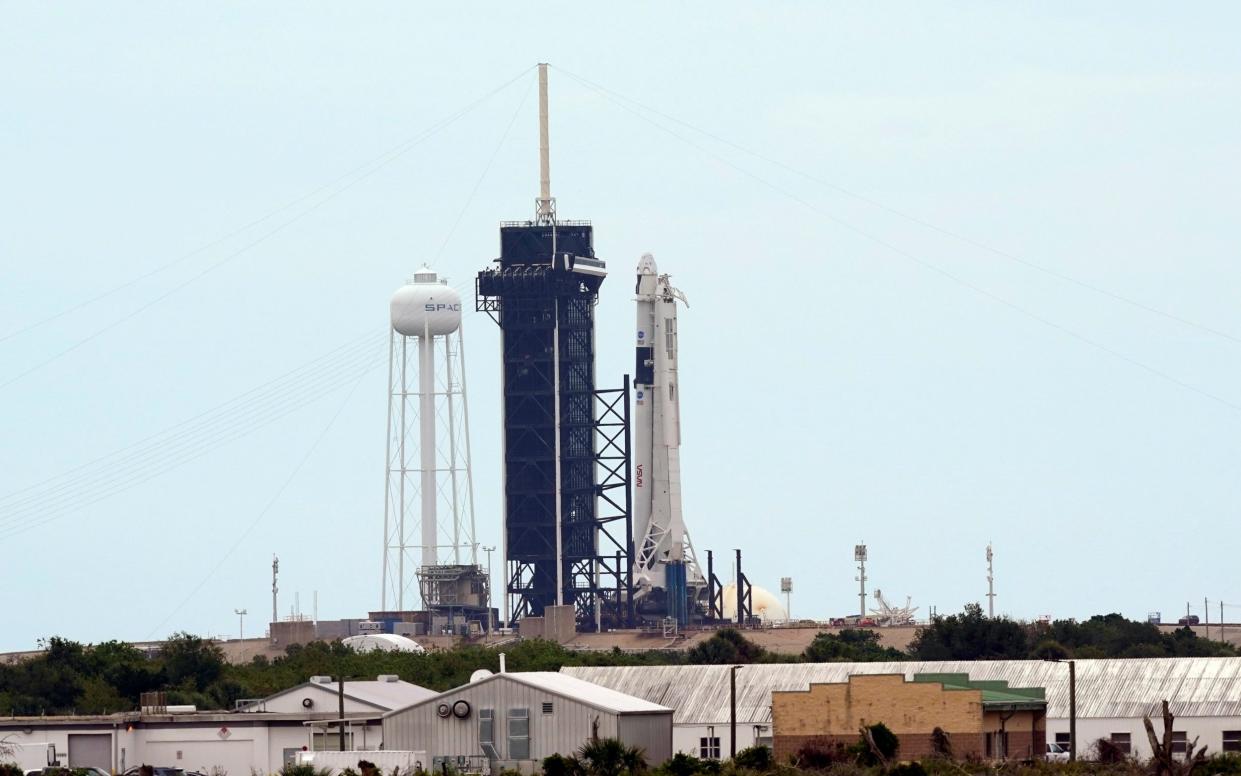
point(664, 555)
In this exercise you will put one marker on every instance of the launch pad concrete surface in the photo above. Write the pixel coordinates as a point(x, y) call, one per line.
point(786, 641)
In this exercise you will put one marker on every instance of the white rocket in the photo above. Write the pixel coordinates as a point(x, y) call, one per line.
point(658, 526)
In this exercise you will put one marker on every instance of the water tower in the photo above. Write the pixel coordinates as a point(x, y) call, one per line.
point(429, 504)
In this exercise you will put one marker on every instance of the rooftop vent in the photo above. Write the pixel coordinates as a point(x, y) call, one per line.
point(387, 678)
point(320, 680)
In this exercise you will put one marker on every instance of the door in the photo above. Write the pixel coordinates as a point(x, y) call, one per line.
point(90, 750)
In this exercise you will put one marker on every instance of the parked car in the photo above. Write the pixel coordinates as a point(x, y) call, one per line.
point(1057, 753)
point(1190, 620)
point(158, 771)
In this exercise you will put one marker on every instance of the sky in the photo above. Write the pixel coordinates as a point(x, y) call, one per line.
point(958, 273)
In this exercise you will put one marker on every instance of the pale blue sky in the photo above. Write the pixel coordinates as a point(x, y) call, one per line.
point(834, 388)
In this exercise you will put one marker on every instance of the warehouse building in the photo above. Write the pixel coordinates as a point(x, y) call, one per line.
point(260, 735)
point(977, 718)
point(1112, 696)
point(514, 720)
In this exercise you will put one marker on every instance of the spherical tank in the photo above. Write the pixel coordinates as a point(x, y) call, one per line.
point(425, 306)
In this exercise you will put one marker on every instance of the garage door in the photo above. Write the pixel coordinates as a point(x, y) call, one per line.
point(90, 750)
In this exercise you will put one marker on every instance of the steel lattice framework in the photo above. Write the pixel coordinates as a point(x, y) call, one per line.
point(559, 548)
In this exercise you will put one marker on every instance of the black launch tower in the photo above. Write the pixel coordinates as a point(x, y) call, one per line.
point(566, 444)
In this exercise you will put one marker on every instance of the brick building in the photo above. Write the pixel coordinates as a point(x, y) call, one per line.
point(982, 718)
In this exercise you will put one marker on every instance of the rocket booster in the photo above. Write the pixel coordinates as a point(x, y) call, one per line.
point(658, 525)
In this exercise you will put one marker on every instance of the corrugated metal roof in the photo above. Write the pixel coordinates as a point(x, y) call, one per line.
point(594, 694)
point(591, 693)
point(384, 696)
point(1106, 689)
point(387, 695)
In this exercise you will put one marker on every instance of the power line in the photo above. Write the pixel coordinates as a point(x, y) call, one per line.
point(314, 445)
point(381, 160)
point(70, 493)
point(229, 257)
point(486, 169)
point(105, 476)
point(911, 218)
point(917, 259)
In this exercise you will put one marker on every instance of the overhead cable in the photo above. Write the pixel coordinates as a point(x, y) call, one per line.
point(920, 261)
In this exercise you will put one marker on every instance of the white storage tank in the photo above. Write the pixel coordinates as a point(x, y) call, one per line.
point(426, 306)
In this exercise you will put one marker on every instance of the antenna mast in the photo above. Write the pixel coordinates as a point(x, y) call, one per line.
point(275, 569)
point(990, 584)
point(545, 208)
point(859, 555)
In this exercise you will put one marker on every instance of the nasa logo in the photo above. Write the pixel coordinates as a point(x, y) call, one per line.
point(640, 395)
point(434, 308)
point(641, 335)
point(639, 476)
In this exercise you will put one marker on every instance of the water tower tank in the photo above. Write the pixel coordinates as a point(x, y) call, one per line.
point(425, 305)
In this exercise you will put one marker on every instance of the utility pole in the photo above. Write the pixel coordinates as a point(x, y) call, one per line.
point(241, 623)
point(990, 584)
point(1206, 618)
point(340, 703)
point(1073, 710)
point(1072, 705)
point(859, 555)
point(732, 712)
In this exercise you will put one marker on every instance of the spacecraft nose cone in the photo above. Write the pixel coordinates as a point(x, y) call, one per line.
point(646, 264)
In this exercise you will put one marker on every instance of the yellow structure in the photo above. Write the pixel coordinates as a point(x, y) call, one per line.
point(982, 719)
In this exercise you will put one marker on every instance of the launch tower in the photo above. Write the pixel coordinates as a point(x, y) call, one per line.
point(566, 455)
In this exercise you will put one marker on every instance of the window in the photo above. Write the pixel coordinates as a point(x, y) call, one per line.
point(997, 745)
point(330, 741)
point(1178, 742)
point(548, 708)
point(1121, 740)
point(1232, 741)
point(709, 748)
point(519, 734)
point(1063, 740)
point(486, 726)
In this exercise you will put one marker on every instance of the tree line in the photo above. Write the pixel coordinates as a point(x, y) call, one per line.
point(69, 677)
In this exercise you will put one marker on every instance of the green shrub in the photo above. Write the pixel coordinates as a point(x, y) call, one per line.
point(756, 758)
point(682, 764)
point(885, 741)
point(559, 765)
point(1223, 764)
point(907, 769)
point(305, 769)
point(820, 755)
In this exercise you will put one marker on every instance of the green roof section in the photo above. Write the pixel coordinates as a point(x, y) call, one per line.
point(995, 693)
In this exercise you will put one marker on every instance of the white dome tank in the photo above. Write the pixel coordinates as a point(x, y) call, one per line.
point(425, 305)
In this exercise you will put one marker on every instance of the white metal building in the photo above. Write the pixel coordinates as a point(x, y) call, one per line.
point(514, 720)
point(1112, 696)
point(261, 735)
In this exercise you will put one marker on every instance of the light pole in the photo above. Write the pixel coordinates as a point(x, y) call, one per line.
point(1072, 704)
point(490, 589)
point(241, 623)
point(732, 712)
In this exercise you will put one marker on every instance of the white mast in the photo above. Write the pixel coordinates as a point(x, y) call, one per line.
point(545, 209)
